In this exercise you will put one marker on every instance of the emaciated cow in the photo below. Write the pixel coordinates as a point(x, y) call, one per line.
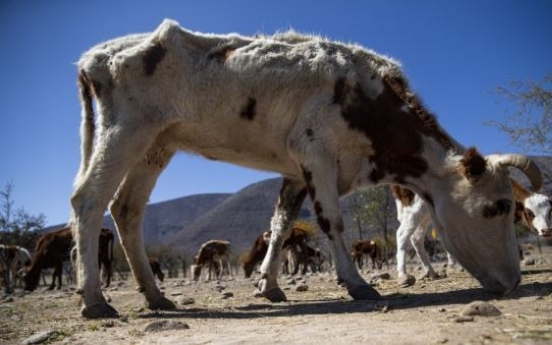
point(330, 117)
point(212, 254)
point(533, 208)
point(54, 248)
point(361, 248)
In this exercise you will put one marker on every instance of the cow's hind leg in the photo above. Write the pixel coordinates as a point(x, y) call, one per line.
point(291, 198)
point(115, 153)
point(127, 210)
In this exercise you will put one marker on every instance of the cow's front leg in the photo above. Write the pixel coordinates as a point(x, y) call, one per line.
point(291, 198)
point(320, 173)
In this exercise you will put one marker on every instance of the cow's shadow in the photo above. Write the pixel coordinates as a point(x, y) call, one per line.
point(396, 301)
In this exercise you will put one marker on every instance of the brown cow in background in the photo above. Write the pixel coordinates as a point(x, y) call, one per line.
point(156, 268)
point(54, 248)
point(213, 254)
point(296, 241)
point(360, 248)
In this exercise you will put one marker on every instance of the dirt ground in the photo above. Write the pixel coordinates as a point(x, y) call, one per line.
point(228, 313)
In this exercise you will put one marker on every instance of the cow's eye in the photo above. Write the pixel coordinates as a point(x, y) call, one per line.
point(529, 214)
point(503, 206)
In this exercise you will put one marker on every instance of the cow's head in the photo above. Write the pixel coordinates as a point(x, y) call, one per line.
point(196, 271)
point(536, 211)
point(31, 278)
point(476, 216)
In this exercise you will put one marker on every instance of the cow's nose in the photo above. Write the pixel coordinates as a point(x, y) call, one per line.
point(546, 232)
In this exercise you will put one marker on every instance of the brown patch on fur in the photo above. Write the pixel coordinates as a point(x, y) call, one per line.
point(249, 110)
point(414, 104)
point(473, 165)
point(404, 195)
point(153, 57)
point(86, 94)
point(323, 222)
point(396, 136)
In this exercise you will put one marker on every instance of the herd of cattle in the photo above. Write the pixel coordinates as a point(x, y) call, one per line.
point(55, 248)
point(330, 117)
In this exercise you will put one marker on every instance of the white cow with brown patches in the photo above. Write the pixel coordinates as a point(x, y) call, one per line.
point(330, 117)
point(533, 208)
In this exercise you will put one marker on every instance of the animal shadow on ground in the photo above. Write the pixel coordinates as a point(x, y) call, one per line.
point(395, 301)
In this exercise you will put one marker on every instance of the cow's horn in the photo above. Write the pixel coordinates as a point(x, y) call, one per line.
point(526, 165)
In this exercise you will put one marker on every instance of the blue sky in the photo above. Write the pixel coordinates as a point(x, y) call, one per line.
point(455, 54)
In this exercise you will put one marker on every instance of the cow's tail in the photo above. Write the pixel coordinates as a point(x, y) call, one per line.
point(88, 126)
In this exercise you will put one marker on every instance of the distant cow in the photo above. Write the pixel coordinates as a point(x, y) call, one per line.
point(12, 260)
point(361, 248)
point(54, 248)
point(156, 268)
point(212, 254)
point(256, 254)
point(534, 209)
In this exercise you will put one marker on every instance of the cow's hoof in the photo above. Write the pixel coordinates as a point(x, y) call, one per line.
point(100, 310)
point(364, 292)
point(161, 303)
point(275, 295)
point(406, 281)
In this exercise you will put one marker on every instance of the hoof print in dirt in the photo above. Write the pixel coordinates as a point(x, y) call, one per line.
point(186, 301)
point(479, 308)
point(165, 325)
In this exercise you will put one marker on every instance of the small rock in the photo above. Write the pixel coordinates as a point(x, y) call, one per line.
point(186, 301)
point(165, 325)
point(123, 318)
point(176, 293)
point(529, 261)
point(301, 287)
point(382, 275)
point(227, 294)
point(40, 337)
point(480, 309)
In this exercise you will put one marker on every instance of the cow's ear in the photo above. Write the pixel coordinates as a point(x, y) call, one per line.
point(473, 165)
point(518, 215)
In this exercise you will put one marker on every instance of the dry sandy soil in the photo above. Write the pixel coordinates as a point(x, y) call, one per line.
point(427, 313)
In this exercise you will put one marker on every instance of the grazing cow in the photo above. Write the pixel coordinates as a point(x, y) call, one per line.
point(156, 268)
point(214, 254)
point(296, 240)
point(533, 208)
point(330, 117)
point(361, 248)
point(54, 248)
point(12, 260)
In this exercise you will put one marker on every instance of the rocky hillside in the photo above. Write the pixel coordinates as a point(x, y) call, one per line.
point(185, 223)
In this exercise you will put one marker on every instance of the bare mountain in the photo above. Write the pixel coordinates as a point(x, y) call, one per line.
point(187, 222)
